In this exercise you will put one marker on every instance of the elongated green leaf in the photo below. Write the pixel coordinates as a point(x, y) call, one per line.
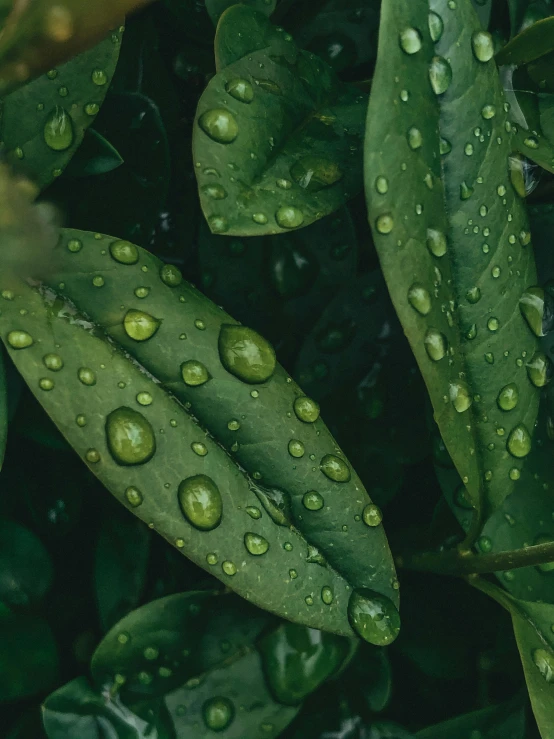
point(506, 721)
point(452, 235)
point(535, 639)
point(277, 137)
point(299, 480)
point(95, 156)
point(533, 42)
point(44, 122)
point(216, 8)
point(4, 411)
point(39, 35)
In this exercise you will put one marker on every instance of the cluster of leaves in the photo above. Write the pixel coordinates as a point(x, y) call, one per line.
point(362, 192)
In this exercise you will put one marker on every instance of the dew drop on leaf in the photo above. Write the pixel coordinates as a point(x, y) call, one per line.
point(436, 26)
point(86, 376)
point(435, 344)
point(483, 46)
point(460, 396)
point(335, 468)
point(133, 496)
point(544, 662)
point(508, 397)
point(218, 713)
point(201, 502)
point(20, 339)
point(246, 354)
point(220, 125)
point(130, 437)
point(440, 75)
point(58, 130)
point(255, 544)
point(519, 441)
point(373, 617)
point(313, 501)
point(240, 89)
point(287, 216)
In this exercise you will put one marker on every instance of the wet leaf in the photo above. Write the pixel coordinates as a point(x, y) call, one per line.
point(216, 8)
point(277, 137)
point(4, 411)
point(44, 122)
point(243, 523)
point(452, 235)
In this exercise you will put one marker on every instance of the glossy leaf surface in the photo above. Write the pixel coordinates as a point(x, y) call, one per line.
point(216, 8)
point(277, 137)
point(452, 234)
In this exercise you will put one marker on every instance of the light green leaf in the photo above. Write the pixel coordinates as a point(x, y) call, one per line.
point(216, 8)
point(289, 515)
point(452, 234)
point(535, 640)
point(277, 137)
point(44, 122)
point(505, 721)
point(532, 43)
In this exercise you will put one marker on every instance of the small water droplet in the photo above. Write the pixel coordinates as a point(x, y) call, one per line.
point(74, 245)
point(218, 713)
point(544, 662)
point(99, 77)
point(140, 326)
point(335, 468)
point(255, 544)
point(381, 185)
point(519, 441)
point(130, 437)
point(20, 339)
point(201, 502)
point(415, 139)
point(134, 496)
point(508, 397)
point(58, 130)
point(306, 409)
point(436, 344)
point(419, 298)
point(436, 26)
point(539, 369)
point(460, 396)
point(532, 306)
point(313, 501)
point(384, 223)
point(86, 376)
point(287, 216)
point(170, 275)
point(372, 515)
point(194, 373)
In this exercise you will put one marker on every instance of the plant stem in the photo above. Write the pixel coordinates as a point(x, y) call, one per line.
point(455, 562)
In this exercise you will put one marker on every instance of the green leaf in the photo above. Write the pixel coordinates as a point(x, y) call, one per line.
point(452, 235)
point(4, 411)
point(505, 721)
point(44, 122)
point(216, 8)
point(535, 640)
point(28, 654)
point(120, 564)
point(300, 498)
point(95, 156)
point(532, 43)
point(25, 566)
point(280, 149)
point(77, 711)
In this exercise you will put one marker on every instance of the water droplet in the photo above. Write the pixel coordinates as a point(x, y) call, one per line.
point(92, 456)
point(58, 130)
point(255, 544)
point(544, 661)
point(436, 344)
point(313, 501)
point(465, 191)
point(306, 409)
point(201, 502)
point(440, 75)
point(99, 77)
point(373, 617)
point(199, 448)
point(241, 90)
point(220, 125)
point(260, 218)
point(436, 242)
point(384, 223)
point(289, 217)
point(130, 437)
point(532, 306)
point(170, 275)
point(218, 713)
point(460, 396)
point(296, 448)
point(92, 108)
point(246, 354)
point(483, 46)
point(293, 574)
point(134, 496)
point(98, 281)
point(419, 299)
point(493, 324)
point(436, 26)
point(212, 559)
point(519, 441)
point(531, 142)
point(415, 139)
point(382, 185)
point(144, 398)
point(20, 339)
point(218, 224)
point(215, 191)
point(473, 295)
point(485, 544)
point(539, 369)
point(194, 373)
point(74, 245)
point(508, 397)
point(335, 468)
point(284, 184)
point(314, 174)
point(142, 292)
point(151, 653)
point(253, 512)
point(53, 362)
point(140, 326)
point(372, 515)
point(410, 40)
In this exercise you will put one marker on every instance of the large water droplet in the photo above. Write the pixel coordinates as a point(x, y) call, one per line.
point(140, 326)
point(246, 354)
point(335, 468)
point(306, 409)
point(134, 496)
point(296, 448)
point(124, 252)
point(544, 661)
point(440, 75)
point(508, 397)
point(483, 46)
point(194, 373)
point(519, 441)
point(315, 173)
point(436, 242)
point(539, 369)
point(289, 217)
point(372, 515)
point(373, 617)
point(170, 275)
point(436, 344)
point(384, 223)
point(419, 299)
point(460, 396)
point(20, 339)
point(415, 139)
point(313, 501)
point(532, 306)
point(436, 26)
point(58, 130)
point(200, 501)
point(53, 362)
point(240, 89)
point(130, 437)
point(220, 125)
point(218, 713)
point(410, 40)
point(255, 544)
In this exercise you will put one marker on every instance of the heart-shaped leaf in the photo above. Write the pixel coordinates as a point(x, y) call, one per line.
point(452, 235)
point(277, 137)
point(302, 507)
